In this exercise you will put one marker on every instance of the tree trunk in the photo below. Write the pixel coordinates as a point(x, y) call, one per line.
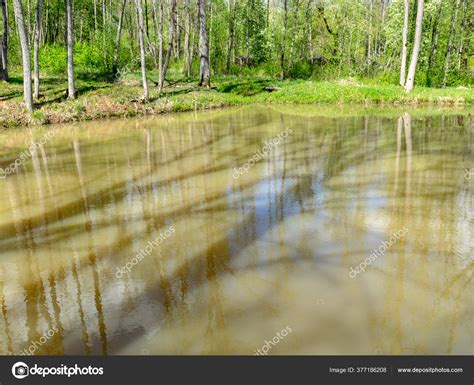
point(160, 48)
point(39, 10)
point(177, 33)
point(141, 41)
point(4, 42)
point(416, 46)
point(145, 17)
point(404, 43)
point(118, 37)
point(283, 39)
point(434, 45)
point(71, 93)
point(187, 38)
point(170, 45)
point(25, 54)
point(449, 50)
point(204, 70)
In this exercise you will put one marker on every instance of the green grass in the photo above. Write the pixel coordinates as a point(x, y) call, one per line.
point(99, 99)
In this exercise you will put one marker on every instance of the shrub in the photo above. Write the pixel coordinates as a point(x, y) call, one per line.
point(300, 70)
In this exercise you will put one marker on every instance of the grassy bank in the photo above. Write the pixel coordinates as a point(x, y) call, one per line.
point(99, 99)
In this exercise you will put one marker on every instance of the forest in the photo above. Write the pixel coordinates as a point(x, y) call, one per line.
point(184, 54)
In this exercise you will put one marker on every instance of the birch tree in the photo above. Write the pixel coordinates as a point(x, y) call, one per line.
point(71, 88)
point(204, 68)
point(416, 46)
point(25, 54)
point(160, 44)
point(187, 38)
point(406, 7)
point(141, 29)
point(171, 39)
point(39, 10)
point(118, 37)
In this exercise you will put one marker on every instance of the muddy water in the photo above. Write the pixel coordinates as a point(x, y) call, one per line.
point(349, 233)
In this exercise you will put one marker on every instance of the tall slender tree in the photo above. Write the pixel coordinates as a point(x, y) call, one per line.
point(160, 44)
point(204, 69)
point(169, 51)
point(71, 87)
point(416, 46)
point(187, 38)
point(4, 41)
point(118, 37)
point(406, 8)
point(25, 54)
point(141, 41)
point(39, 10)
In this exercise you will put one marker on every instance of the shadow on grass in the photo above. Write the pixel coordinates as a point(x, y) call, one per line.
point(244, 88)
point(80, 90)
point(10, 95)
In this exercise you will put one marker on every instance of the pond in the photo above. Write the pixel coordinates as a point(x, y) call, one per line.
point(253, 230)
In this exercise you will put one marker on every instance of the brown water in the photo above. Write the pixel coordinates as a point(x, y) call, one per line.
point(240, 259)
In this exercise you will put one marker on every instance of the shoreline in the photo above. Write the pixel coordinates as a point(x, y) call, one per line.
point(118, 100)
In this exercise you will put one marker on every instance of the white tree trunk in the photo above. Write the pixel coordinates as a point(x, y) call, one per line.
point(25, 54)
point(71, 88)
point(171, 39)
point(204, 69)
point(118, 37)
point(404, 43)
point(141, 40)
point(416, 46)
point(160, 44)
point(187, 38)
point(39, 10)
